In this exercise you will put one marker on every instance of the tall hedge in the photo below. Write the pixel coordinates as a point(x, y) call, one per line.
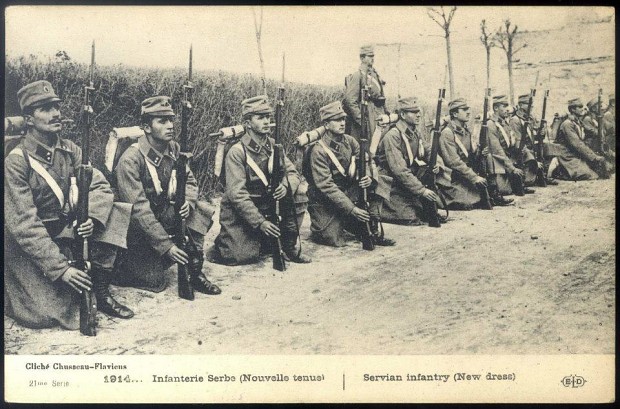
point(120, 89)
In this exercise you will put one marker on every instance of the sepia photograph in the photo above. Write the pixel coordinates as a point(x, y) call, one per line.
point(322, 197)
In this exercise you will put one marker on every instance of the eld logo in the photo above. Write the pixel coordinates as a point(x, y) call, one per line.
point(573, 381)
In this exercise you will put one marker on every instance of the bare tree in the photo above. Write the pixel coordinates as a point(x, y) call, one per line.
point(488, 40)
point(258, 27)
point(506, 37)
point(440, 17)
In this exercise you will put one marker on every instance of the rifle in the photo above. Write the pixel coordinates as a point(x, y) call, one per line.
point(186, 290)
point(365, 230)
point(79, 198)
point(541, 178)
point(277, 174)
point(482, 160)
point(429, 179)
point(602, 146)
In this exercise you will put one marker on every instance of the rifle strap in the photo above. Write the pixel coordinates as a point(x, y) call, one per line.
point(152, 171)
point(257, 169)
point(333, 158)
point(38, 168)
point(461, 146)
point(506, 136)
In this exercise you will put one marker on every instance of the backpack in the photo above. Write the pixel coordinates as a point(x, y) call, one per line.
point(14, 128)
point(226, 138)
point(119, 140)
point(555, 125)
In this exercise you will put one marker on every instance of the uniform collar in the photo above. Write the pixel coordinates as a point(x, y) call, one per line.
point(333, 141)
point(405, 130)
point(256, 143)
point(496, 118)
point(574, 119)
point(153, 155)
point(521, 114)
point(40, 151)
point(458, 128)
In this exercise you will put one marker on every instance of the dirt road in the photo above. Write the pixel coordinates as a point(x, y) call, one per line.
point(537, 278)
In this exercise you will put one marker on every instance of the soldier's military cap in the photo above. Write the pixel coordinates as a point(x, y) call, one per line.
point(524, 99)
point(36, 94)
point(367, 50)
point(575, 102)
point(409, 104)
point(500, 99)
point(332, 111)
point(457, 103)
point(157, 106)
point(593, 104)
point(256, 105)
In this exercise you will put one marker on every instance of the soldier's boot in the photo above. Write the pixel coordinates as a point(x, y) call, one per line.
point(105, 302)
point(496, 197)
point(378, 237)
point(197, 278)
point(289, 245)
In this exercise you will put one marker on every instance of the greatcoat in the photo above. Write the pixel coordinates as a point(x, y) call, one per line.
point(245, 202)
point(153, 215)
point(38, 231)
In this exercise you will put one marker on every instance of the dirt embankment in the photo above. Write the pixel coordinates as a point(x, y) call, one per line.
point(537, 277)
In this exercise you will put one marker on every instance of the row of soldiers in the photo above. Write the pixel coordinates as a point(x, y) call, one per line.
point(131, 213)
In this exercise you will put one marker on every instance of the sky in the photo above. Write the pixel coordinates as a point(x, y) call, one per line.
point(321, 43)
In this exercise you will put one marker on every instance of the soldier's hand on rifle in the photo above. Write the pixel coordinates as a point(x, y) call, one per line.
point(540, 165)
point(177, 255)
point(436, 169)
point(280, 192)
point(360, 214)
point(184, 211)
point(77, 279)
point(518, 172)
point(270, 229)
point(87, 228)
point(365, 182)
point(480, 181)
point(485, 151)
point(430, 195)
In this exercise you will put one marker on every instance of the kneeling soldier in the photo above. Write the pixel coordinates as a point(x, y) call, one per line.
point(329, 167)
point(41, 287)
point(403, 154)
point(146, 179)
point(245, 231)
point(459, 155)
point(577, 160)
point(502, 142)
point(527, 130)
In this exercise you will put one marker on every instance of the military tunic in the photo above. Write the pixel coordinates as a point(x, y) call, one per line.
point(245, 203)
point(526, 156)
point(352, 99)
point(38, 232)
point(404, 162)
point(458, 154)
point(576, 157)
point(502, 141)
point(153, 216)
point(332, 194)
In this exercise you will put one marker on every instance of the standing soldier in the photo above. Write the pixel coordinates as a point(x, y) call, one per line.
point(458, 154)
point(523, 127)
point(41, 287)
point(502, 141)
point(245, 231)
point(329, 167)
point(365, 75)
point(146, 179)
point(577, 161)
point(402, 155)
